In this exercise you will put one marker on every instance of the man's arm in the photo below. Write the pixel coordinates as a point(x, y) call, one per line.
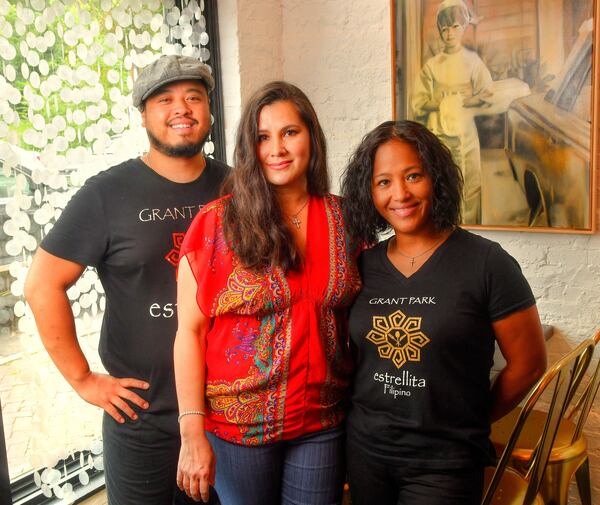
point(46, 287)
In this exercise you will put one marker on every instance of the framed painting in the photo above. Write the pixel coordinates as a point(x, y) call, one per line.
point(510, 86)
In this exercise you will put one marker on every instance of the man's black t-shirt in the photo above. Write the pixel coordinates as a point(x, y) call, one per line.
point(128, 222)
point(424, 347)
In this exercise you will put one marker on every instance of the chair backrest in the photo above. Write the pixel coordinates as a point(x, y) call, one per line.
point(586, 400)
point(580, 371)
point(565, 374)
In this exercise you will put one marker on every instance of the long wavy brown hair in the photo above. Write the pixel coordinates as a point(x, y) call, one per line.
point(253, 223)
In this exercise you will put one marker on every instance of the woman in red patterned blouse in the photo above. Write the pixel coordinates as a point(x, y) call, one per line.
point(261, 353)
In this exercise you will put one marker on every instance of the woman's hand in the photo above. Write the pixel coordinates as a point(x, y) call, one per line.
point(196, 467)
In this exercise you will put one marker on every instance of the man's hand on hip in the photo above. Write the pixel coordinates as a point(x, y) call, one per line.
point(110, 393)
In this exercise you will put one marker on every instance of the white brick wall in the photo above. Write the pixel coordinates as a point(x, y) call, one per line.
point(339, 53)
point(251, 54)
point(564, 273)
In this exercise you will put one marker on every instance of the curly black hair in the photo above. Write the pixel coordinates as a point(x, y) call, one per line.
point(362, 219)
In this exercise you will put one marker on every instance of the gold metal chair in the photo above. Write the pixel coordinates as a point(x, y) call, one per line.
point(569, 453)
point(509, 486)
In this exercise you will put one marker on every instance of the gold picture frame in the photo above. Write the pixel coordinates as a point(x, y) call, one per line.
point(511, 88)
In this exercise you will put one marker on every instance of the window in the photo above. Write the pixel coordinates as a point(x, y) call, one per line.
point(67, 69)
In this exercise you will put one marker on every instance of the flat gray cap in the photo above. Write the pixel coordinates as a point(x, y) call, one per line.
point(169, 69)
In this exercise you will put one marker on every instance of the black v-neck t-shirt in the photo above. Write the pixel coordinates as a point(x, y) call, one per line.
point(424, 348)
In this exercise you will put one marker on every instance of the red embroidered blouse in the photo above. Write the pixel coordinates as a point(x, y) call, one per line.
point(277, 358)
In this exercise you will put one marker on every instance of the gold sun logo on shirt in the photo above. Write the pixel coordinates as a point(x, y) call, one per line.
point(398, 337)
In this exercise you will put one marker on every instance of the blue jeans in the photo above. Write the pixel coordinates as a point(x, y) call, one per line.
point(308, 470)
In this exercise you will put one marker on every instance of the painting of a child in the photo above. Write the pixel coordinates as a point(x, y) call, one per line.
point(450, 85)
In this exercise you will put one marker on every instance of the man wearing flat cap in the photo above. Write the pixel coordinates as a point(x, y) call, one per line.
point(128, 223)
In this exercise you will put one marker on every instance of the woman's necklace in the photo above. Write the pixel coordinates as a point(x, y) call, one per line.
point(413, 258)
point(294, 217)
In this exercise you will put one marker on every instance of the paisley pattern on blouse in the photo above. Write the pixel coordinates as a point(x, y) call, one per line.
point(343, 273)
point(245, 293)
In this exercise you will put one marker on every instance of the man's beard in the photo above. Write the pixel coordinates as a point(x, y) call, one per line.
point(180, 151)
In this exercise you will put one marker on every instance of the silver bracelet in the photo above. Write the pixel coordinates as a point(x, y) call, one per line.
point(190, 413)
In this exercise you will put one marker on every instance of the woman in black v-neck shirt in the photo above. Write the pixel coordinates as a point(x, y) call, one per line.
point(434, 301)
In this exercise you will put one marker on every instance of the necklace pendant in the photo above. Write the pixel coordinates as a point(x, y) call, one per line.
point(412, 262)
point(296, 222)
